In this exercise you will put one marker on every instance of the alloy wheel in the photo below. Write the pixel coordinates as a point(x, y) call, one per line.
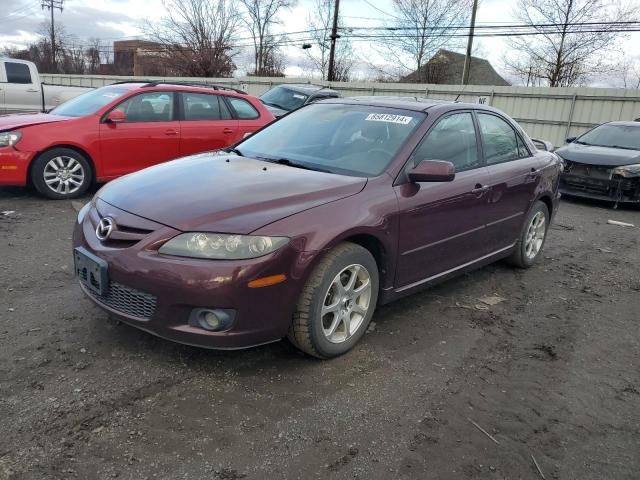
point(64, 175)
point(346, 303)
point(535, 235)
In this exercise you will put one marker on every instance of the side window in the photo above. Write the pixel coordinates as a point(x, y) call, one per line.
point(244, 109)
point(204, 106)
point(17, 72)
point(452, 139)
point(148, 107)
point(499, 140)
point(523, 151)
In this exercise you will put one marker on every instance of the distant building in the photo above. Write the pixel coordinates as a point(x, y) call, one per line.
point(137, 57)
point(446, 67)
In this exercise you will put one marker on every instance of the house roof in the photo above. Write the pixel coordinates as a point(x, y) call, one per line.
point(446, 67)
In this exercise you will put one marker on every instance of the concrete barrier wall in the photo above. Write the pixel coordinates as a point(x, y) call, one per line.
point(547, 113)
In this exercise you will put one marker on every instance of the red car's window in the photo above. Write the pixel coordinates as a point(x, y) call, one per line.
point(148, 107)
point(244, 110)
point(202, 106)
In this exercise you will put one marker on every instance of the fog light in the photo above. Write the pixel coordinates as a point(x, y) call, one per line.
point(212, 320)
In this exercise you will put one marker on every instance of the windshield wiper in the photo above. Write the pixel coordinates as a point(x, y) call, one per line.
point(291, 163)
point(271, 104)
point(234, 150)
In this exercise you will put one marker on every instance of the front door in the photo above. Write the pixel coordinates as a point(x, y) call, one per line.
point(21, 93)
point(442, 224)
point(149, 135)
point(514, 175)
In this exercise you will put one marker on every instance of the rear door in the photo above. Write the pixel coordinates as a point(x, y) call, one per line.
point(442, 224)
point(514, 175)
point(149, 135)
point(248, 116)
point(21, 93)
point(206, 123)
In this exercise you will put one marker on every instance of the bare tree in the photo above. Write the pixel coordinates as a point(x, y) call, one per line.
point(94, 55)
point(260, 17)
point(561, 55)
point(319, 22)
point(195, 36)
point(420, 28)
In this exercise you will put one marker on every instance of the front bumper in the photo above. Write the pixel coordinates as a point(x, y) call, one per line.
point(14, 166)
point(599, 183)
point(157, 293)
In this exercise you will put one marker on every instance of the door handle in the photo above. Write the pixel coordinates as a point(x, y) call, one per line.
point(480, 189)
point(227, 130)
point(32, 90)
point(170, 132)
point(534, 173)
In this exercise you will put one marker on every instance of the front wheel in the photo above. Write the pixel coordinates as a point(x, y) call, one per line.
point(532, 237)
point(337, 302)
point(61, 173)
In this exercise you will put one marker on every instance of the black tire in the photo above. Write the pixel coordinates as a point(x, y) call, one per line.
point(307, 332)
point(519, 258)
point(70, 190)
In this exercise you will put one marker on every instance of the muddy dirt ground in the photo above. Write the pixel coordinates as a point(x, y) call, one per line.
point(551, 373)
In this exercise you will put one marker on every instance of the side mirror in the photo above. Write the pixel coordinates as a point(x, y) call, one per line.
point(543, 145)
point(116, 116)
point(433, 171)
point(571, 139)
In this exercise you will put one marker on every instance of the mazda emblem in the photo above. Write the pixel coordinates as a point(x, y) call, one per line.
point(104, 228)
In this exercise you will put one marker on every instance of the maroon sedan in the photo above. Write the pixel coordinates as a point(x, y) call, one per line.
point(303, 228)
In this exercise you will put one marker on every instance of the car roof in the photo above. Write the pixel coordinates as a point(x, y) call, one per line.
point(416, 104)
point(173, 86)
point(623, 123)
point(307, 88)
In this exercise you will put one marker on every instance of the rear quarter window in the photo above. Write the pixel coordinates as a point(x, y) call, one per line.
point(244, 110)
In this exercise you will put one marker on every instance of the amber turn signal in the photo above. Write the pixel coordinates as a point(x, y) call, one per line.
point(267, 281)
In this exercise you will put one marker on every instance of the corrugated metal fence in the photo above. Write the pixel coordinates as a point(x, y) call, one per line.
point(547, 113)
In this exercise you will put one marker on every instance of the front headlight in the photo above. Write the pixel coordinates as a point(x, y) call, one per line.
point(628, 171)
point(221, 246)
point(9, 139)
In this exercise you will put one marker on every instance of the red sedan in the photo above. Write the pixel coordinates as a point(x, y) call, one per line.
point(119, 129)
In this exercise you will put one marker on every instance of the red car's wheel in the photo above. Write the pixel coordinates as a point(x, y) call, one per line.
point(337, 302)
point(61, 173)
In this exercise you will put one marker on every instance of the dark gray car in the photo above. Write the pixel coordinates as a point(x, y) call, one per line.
point(604, 163)
point(286, 98)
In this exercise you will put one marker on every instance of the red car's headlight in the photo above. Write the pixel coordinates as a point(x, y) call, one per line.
point(9, 139)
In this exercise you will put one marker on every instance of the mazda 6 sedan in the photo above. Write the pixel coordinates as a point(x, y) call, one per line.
point(302, 229)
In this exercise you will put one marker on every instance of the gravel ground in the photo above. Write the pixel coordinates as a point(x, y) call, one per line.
point(444, 387)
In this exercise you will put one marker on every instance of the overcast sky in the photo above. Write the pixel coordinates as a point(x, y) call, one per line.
point(118, 19)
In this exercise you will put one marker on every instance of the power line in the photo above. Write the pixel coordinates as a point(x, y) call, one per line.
point(52, 5)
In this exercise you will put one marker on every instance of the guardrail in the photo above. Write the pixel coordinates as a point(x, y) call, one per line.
point(548, 113)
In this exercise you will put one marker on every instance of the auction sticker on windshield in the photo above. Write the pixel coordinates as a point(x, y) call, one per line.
point(386, 117)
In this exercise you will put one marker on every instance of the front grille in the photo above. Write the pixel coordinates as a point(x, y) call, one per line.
point(127, 300)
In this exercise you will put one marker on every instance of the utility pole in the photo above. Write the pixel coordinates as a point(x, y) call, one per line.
point(331, 74)
point(467, 58)
point(52, 5)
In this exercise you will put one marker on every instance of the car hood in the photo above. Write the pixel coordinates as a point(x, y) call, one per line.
point(225, 194)
point(592, 155)
point(19, 120)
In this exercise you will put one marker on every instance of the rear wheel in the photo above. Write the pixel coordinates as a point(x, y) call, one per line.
point(337, 302)
point(61, 173)
point(532, 237)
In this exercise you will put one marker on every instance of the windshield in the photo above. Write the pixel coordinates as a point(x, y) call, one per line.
point(357, 140)
point(616, 136)
point(282, 97)
point(89, 102)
